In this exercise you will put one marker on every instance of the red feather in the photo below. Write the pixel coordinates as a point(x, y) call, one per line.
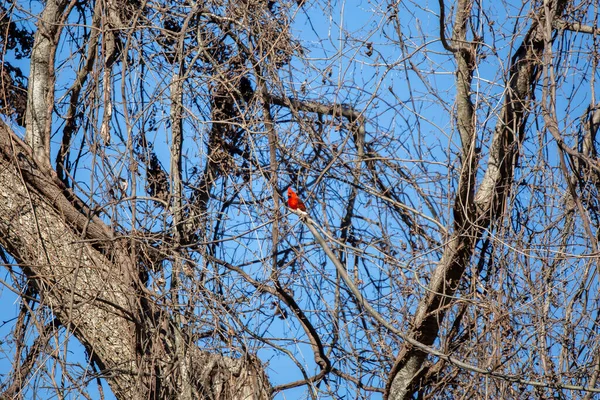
point(294, 201)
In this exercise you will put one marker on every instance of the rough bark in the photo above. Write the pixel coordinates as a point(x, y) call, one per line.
point(88, 280)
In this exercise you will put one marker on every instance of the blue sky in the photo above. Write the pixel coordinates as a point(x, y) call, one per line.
point(397, 101)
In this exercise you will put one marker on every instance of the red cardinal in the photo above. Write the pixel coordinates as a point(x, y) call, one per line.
point(294, 201)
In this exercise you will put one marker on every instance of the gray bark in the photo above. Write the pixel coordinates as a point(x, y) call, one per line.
point(88, 280)
point(40, 96)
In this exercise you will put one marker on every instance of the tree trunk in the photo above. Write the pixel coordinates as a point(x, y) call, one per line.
point(87, 279)
point(472, 214)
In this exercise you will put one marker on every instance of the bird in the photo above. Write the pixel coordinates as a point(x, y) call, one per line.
point(123, 185)
point(294, 201)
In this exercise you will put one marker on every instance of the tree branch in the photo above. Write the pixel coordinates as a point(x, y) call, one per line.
point(40, 96)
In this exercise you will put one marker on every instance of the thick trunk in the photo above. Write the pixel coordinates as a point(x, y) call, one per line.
point(88, 280)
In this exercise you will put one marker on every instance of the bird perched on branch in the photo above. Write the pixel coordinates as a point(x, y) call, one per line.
point(294, 201)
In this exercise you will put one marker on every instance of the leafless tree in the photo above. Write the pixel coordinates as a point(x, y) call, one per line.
point(446, 155)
